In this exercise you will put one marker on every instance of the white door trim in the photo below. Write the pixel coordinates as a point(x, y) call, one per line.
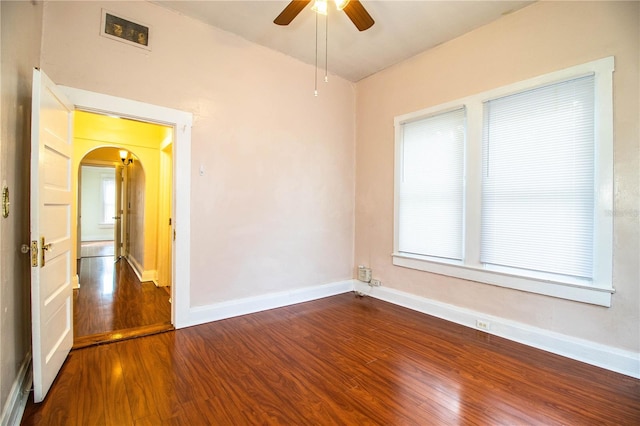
point(181, 121)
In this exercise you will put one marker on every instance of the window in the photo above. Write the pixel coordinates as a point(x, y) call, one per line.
point(108, 199)
point(431, 186)
point(519, 192)
point(538, 180)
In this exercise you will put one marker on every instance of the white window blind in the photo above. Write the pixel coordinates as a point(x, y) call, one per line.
point(108, 199)
point(431, 190)
point(538, 179)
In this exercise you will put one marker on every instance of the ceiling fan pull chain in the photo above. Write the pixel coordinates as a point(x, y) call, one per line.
point(326, 47)
point(315, 79)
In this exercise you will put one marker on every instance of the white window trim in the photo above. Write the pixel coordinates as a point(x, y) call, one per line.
point(596, 292)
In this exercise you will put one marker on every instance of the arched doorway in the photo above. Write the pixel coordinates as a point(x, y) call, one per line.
point(130, 201)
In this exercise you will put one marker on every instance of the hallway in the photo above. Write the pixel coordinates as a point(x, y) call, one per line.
point(111, 302)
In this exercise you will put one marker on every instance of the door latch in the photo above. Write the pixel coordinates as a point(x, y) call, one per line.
point(34, 254)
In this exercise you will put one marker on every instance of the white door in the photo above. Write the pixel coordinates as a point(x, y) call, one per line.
point(51, 198)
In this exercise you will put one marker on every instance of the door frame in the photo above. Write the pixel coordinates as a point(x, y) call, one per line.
point(181, 122)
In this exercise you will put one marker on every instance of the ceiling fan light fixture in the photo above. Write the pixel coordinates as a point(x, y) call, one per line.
point(340, 4)
point(320, 6)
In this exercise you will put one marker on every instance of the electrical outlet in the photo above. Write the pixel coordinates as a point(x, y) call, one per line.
point(483, 325)
point(364, 274)
point(375, 283)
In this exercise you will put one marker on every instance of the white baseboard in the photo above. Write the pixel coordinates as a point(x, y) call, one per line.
point(142, 274)
point(17, 400)
point(610, 358)
point(149, 275)
point(233, 308)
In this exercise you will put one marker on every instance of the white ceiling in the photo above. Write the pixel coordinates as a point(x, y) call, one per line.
point(401, 30)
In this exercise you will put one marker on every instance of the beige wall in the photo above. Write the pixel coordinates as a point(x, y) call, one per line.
point(538, 39)
point(273, 209)
point(21, 33)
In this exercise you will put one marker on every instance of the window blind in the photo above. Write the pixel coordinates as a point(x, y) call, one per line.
point(432, 186)
point(538, 179)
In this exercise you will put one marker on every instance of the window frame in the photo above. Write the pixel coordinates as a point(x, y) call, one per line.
point(597, 291)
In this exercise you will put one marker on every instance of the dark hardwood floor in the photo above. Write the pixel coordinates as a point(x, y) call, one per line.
point(339, 360)
point(112, 299)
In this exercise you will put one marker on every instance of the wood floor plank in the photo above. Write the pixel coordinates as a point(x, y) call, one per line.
point(111, 298)
point(339, 360)
point(151, 383)
point(56, 409)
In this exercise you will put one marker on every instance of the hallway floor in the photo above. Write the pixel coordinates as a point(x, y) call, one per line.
point(111, 298)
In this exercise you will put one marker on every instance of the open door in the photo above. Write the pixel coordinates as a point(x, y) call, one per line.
point(51, 245)
point(117, 229)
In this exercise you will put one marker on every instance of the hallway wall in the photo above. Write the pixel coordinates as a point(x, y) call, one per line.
point(136, 197)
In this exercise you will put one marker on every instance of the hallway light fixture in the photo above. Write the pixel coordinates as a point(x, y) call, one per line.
point(124, 154)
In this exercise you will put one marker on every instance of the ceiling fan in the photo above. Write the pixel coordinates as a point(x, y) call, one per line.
point(353, 8)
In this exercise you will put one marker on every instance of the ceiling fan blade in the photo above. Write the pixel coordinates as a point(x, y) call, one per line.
point(358, 15)
point(290, 12)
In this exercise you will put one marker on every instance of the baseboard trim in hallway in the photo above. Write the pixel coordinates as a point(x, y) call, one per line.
point(119, 335)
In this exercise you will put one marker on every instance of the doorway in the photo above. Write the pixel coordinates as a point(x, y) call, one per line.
point(182, 314)
point(52, 335)
point(124, 211)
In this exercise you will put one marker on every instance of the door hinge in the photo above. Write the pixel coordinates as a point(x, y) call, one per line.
point(174, 235)
point(5, 202)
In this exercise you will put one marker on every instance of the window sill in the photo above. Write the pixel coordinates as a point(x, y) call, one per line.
point(105, 225)
point(575, 291)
